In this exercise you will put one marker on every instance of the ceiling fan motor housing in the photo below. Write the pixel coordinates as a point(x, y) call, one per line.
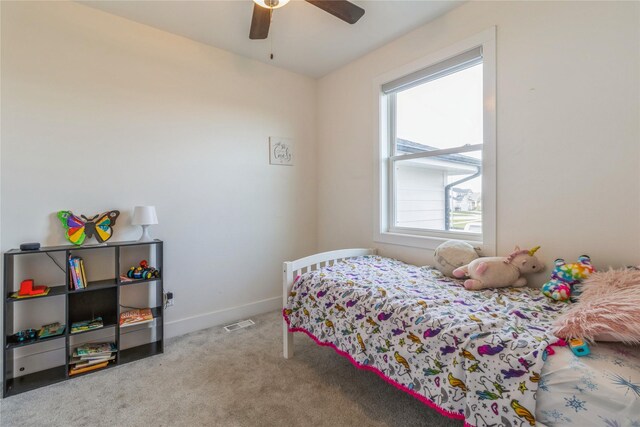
point(271, 4)
point(262, 9)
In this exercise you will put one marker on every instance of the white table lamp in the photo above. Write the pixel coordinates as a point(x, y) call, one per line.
point(144, 216)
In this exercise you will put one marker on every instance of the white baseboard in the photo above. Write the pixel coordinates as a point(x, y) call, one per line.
point(220, 317)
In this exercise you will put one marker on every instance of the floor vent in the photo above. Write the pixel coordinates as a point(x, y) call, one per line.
point(238, 325)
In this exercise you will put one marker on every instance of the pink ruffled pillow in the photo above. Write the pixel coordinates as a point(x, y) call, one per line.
point(607, 310)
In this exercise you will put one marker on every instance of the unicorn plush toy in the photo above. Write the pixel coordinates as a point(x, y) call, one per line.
point(500, 272)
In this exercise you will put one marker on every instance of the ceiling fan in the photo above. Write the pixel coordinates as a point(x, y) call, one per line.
point(262, 10)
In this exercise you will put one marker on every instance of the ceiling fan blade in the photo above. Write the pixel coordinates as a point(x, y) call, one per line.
point(260, 22)
point(342, 9)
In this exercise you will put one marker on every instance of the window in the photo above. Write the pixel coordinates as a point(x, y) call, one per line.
point(437, 148)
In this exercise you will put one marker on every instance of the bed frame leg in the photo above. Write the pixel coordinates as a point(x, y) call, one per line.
point(287, 341)
point(287, 284)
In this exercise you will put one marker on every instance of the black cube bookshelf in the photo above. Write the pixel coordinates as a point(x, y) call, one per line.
point(101, 297)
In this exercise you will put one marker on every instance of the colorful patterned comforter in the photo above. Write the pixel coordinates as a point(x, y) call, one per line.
point(473, 355)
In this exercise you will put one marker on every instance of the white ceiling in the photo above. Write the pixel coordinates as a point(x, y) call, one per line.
point(303, 38)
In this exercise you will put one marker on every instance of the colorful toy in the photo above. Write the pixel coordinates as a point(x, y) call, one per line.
point(453, 254)
point(143, 271)
point(79, 228)
point(549, 351)
point(500, 272)
point(23, 336)
point(27, 289)
point(565, 276)
point(579, 347)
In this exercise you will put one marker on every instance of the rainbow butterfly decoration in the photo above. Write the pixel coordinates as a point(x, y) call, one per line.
point(77, 229)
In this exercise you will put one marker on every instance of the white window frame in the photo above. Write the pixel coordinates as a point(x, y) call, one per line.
point(430, 239)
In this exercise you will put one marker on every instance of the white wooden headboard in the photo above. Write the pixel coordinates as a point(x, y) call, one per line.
point(292, 269)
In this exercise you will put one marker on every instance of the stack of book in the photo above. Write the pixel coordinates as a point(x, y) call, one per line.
point(136, 316)
point(89, 357)
point(86, 325)
point(78, 278)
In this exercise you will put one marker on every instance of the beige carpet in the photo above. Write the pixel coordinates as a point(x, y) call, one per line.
point(215, 378)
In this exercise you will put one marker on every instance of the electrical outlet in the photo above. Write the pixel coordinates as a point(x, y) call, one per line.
point(168, 298)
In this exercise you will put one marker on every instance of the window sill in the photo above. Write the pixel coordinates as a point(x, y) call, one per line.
point(423, 242)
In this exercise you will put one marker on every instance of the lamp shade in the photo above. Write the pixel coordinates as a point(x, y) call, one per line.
point(144, 215)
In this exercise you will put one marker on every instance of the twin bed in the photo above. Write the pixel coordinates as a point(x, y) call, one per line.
point(482, 356)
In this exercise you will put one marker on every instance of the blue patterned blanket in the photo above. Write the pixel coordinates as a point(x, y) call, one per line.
point(473, 355)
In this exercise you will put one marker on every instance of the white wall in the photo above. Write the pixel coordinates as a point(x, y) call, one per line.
point(101, 113)
point(568, 135)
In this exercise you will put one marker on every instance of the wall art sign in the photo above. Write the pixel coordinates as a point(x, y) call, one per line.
point(280, 151)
